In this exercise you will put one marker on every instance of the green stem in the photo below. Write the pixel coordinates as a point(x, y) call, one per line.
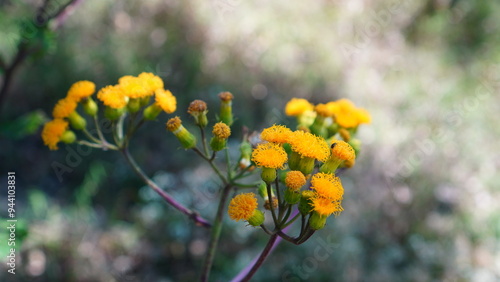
point(216, 170)
point(203, 140)
point(92, 138)
point(99, 132)
point(216, 231)
point(291, 220)
point(271, 207)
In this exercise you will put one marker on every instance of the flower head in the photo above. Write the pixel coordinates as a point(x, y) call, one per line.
point(363, 116)
point(276, 134)
point(323, 110)
point(226, 96)
point(64, 108)
point(342, 150)
point(112, 96)
point(269, 155)
point(309, 145)
point(296, 107)
point(295, 180)
point(197, 106)
point(242, 207)
point(221, 130)
point(174, 123)
point(134, 87)
point(327, 185)
point(52, 132)
point(151, 82)
point(166, 100)
point(347, 115)
point(325, 206)
point(80, 90)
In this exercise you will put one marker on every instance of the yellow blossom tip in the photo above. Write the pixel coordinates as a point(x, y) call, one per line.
point(112, 96)
point(221, 130)
point(295, 180)
point(269, 155)
point(327, 185)
point(242, 206)
point(64, 108)
point(297, 106)
point(309, 145)
point(323, 110)
point(52, 132)
point(325, 206)
point(166, 100)
point(342, 150)
point(276, 133)
point(80, 90)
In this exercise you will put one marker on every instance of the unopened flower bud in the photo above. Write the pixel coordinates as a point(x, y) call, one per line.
point(187, 139)
point(198, 109)
point(226, 110)
point(77, 121)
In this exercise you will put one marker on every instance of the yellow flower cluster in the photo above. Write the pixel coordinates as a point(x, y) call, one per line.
point(343, 112)
point(66, 109)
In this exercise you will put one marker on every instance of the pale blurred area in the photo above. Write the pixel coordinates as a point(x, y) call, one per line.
point(422, 202)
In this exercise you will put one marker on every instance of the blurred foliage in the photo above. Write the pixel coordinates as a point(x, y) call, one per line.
point(420, 205)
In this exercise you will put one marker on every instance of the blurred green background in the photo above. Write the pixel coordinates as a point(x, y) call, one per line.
point(421, 203)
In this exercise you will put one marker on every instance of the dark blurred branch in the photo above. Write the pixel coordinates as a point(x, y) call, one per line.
point(23, 48)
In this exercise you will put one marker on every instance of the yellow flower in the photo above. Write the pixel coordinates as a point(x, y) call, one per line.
point(64, 108)
point(276, 134)
point(134, 87)
point(52, 132)
point(327, 185)
point(309, 145)
point(323, 110)
point(342, 150)
point(296, 107)
point(80, 90)
point(363, 116)
point(151, 81)
point(269, 155)
point(221, 130)
point(347, 115)
point(325, 206)
point(166, 100)
point(243, 206)
point(295, 180)
point(112, 96)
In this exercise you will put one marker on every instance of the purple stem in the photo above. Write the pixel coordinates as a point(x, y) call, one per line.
point(245, 271)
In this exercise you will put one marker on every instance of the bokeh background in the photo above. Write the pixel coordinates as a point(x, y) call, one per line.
point(421, 203)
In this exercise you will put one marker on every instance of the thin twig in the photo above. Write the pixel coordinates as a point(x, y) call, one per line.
point(200, 221)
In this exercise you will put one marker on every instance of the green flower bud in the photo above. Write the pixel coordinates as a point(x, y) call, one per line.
point(317, 221)
point(89, 106)
point(151, 112)
point(68, 137)
point(257, 218)
point(77, 121)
